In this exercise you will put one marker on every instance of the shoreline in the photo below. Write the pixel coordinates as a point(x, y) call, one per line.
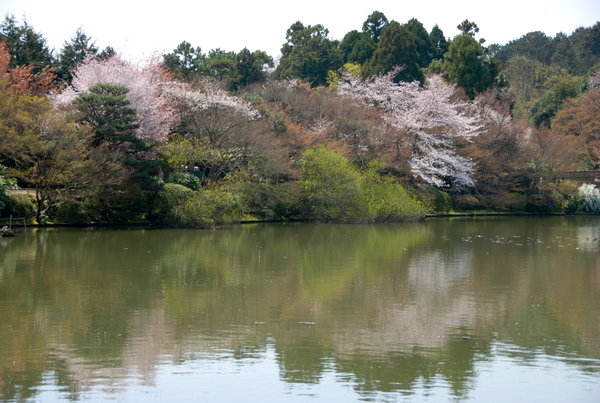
point(146, 225)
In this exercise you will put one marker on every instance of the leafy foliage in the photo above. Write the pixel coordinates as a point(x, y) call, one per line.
point(271, 202)
point(184, 61)
point(171, 196)
point(107, 111)
point(396, 48)
point(73, 53)
point(439, 42)
point(291, 148)
point(6, 184)
point(357, 47)
point(466, 67)
point(308, 54)
point(580, 117)
point(425, 48)
point(576, 53)
point(184, 179)
point(248, 68)
point(332, 186)
point(374, 25)
point(547, 106)
point(209, 208)
point(20, 206)
point(105, 108)
point(27, 47)
point(22, 79)
point(335, 190)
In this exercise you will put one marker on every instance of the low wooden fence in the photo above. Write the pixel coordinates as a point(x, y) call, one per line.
point(591, 177)
point(10, 220)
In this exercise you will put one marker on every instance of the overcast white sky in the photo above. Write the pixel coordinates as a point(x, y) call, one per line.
point(138, 28)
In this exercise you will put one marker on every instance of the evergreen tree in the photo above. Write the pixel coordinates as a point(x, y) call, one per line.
point(73, 53)
point(248, 68)
point(184, 61)
point(374, 25)
point(534, 45)
point(26, 47)
point(439, 42)
point(216, 64)
point(551, 103)
point(466, 64)
point(468, 28)
point(309, 54)
point(396, 48)
point(363, 50)
point(105, 108)
point(425, 48)
point(357, 47)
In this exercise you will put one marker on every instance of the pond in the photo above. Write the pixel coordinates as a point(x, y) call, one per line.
point(486, 309)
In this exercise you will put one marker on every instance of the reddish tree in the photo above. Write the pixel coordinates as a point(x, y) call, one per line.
point(580, 117)
point(21, 79)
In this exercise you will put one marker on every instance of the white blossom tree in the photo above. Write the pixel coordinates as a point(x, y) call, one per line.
point(428, 117)
point(147, 84)
point(227, 128)
point(595, 80)
point(207, 94)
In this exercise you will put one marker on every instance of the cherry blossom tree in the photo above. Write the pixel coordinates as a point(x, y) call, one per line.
point(229, 130)
point(147, 84)
point(595, 81)
point(428, 117)
point(207, 94)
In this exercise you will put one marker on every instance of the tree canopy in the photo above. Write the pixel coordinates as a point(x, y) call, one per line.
point(309, 54)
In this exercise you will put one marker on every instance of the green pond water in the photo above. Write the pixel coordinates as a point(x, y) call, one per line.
point(486, 309)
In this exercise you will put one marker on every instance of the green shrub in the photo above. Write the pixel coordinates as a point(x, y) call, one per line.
point(387, 200)
point(209, 208)
point(539, 205)
point(270, 202)
point(6, 184)
point(185, 179)
point(108, 206)
point(335, 190)
point(19, 206)
point(71, 212)
point(441, 202)
point(506, 201)
point(561, 196)
point(331, 186)
point(467, 202)
point(171, 196)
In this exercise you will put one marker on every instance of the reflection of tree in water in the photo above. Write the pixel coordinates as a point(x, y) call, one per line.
point(402, 372)
point(395, 306)
point(418, 339)
point(304, 361)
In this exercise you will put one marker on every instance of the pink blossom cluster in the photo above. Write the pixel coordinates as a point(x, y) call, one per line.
point(595, 81)
point(147, 85)
point(428, 116)
point(207, 94)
